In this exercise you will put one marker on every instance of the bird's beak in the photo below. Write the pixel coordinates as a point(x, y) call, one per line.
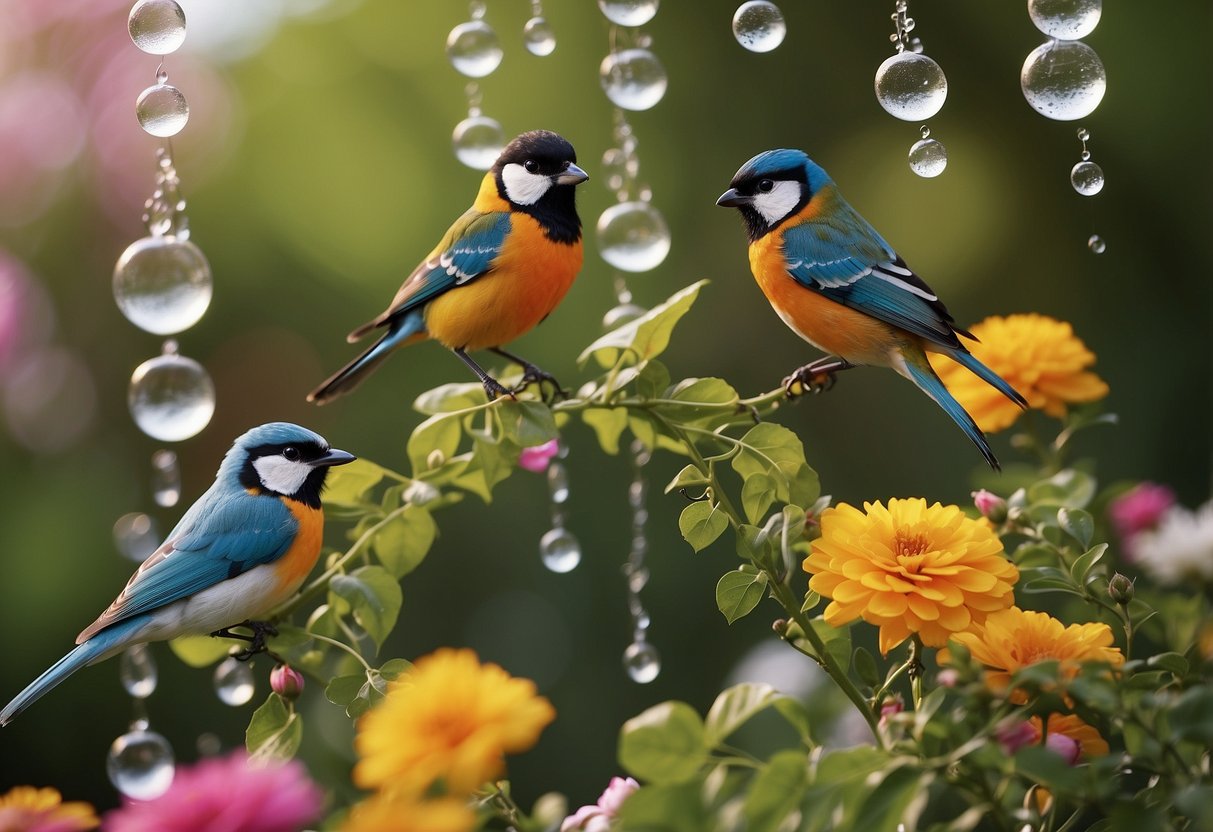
point(732, 199)
point(333, 457)
point(572, 175)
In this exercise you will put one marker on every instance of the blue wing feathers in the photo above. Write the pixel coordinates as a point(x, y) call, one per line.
point(924, 377)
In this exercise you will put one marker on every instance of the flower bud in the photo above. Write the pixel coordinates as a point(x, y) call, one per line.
point(890, 707)
point(286, 682)
point(1013, 736)
point(1121, 589)
point(538, 457)
point(1065, 747)
point(947, 678)
point(991, 506)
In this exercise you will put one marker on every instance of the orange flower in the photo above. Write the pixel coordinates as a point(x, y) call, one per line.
point(1086, 739)
point(27, 809)
point(909, 568)
point(1039, 356)
point(387, 814)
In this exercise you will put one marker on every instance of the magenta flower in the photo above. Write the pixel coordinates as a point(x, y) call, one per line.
point(598, 818)
point(1138, 510)
point(538, 458)
point(991, 506)
point(891, 707)
point(227, 794)
point(1013, 736)
point(1065, 747)
point(286, 681)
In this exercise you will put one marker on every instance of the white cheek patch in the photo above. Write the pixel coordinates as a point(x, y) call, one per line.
point(778, 202)
point(523, 187)
point(280, 475)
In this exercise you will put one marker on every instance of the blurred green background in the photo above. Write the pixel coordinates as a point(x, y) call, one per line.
point(318, 169)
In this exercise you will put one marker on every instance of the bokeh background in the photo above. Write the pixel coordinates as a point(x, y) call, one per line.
point(318, 169)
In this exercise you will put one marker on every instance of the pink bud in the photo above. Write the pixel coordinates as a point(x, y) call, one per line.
point(1013, 736)
point(991, 506)
point(286, 682)
point(538, 457)
point(1065, 747)
point(949, 677)
point(890, 707)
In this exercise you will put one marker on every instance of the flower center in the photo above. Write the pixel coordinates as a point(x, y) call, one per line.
point(908, 543)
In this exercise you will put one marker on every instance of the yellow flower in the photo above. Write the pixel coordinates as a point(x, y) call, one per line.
point(27, 809)
point(1039, 356)
point(1089, 742)
point(909, 568)
point(386, 814)
point(449, 719)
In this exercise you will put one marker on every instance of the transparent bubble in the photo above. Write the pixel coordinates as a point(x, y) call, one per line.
point(928, 158)
point(633, 236)
point(162, 110)
point(621, 314)
point(473, 48)
point(558, 482)
point(629, 12)
point(560, 550)
point(1065, 19)
point(136, 536)
point(137, 670)
point(1063, 80)
point(478, 141)
point(538, 37)
point(171, 397)
point(140, 764)
point(166, 478)
point(234, 682)
point(911, 87)
point(1087, 178)
point(758, 25)
point(638, 579)
point(157, 26)
point(633, 79)
point(642, 662)
point(1097, 244)
point(619, 167)
point(162, 285)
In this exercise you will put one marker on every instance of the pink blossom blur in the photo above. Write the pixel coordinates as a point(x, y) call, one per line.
point(1138, 510)
point(1013, 736)
point(1065, 747)
point(598, 818)
point(538, 458)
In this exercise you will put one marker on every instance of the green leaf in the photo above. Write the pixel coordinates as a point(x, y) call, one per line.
point(865, 667)
point(1173, 662)
point(676, 808)
point(664, 745)
point(734, 707)
point(811, 600)
point(438, 433)
point(738, 592)
point(1070, 488)
point(775, 791)
point(1083, 563)
point(449, 398)
point(899, 799)
point(697, 398)
point(526, 423)
point(689, 477)
point(609, 423)
point(837, 641)
point(342, 690)
point(1078, 524)
point(403, 542)
point(1046, 767)
point(375, 597)
point(701, 523)
point(805, 488)
point(347, 485)
point(652, 380)
point(645, 337)
point(274, 732)
point(1191, 716)
point(200, 651)
point(771, 449)
point(487, 467)
point(795, 714)
point(757, 494)
point(393, 668)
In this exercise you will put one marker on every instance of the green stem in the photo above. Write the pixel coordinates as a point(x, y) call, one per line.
point(343, 646)
point(879, 696)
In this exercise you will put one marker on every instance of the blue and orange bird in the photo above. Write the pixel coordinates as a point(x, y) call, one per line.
point(838, 285)
point(243, 548)
point(499, 270)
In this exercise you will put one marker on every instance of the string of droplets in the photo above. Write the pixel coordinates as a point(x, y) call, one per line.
point(640, 659)
point(559, 547)
point(912, 87)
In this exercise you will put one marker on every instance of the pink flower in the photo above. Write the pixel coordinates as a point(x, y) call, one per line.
point(286, 681)
point(1013, 736)
point(949, 677)
point(228, 794)
point(1065, 747)
point(1138, 510)
point(889, 708)
point(597, 818)
point(538, 458)
point(991, 506)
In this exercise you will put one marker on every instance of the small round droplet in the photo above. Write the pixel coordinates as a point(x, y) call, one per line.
point(633, 79)
point(234, 682)
point(157, 26)
point(1063, 80)
point(1097, 244)
point(911, 87)
point(162, 110)
point(558, 483)
point(166, 478)
point(629, 12)
point(642, 662)
point(162, 285)
point(478, 141)
point(758, 25)
point(1087, 178)
point(171, 397)
point(538, 37)
point(473, 48)
point(619, 167)
point(137, 670)
point(621, 314)
point(633, 236)
point(928, 158)
point(1065, 19)
point(560, 550)
point(136, 536)
point(1084, 134)
point(140, 764)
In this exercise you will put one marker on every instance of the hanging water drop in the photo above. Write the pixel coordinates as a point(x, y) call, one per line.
point(538, 36)
point(758, 25)
point(1065, 19)
point(140, 764)
point(619, 167)
point(621, 314)
point(560, 550)
point(1087, 178)
point(137, 670)
point(628, 12)
point(1097, 244)
point(157, 26)
point(136, 536)
point(642, 662)
point(162, 110)
point(910, 86)
point(558, 482)
point(633, 79)
point(633, 236)
point(1063, 80)
point(166, 478)
point(473, 49)
point(234, 682)
point(163, 285)
point(478, 141)
point(928, 158)
point(171, 397)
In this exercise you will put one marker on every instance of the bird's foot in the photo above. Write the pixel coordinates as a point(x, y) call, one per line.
point(496, 390)
point(817, 377)
point(261, 630)
point(534, 375)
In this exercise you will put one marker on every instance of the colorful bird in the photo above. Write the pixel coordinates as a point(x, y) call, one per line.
point(838, 285)
point(499, 270)
point(243, 548)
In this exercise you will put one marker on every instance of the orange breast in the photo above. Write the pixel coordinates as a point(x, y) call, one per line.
point(300, 559)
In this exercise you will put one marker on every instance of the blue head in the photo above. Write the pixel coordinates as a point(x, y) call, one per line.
point(281, 459)
point(772, 187)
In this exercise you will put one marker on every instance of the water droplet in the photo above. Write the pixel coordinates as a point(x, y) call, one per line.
point(162, 110)
point(928, 158)
point(140, 765)
point(538, 36)
point(633, 236)
point(171, 397)
point(758, 25)
point(1084, 135)
point(478, 141)
point(1087, 178)
point(558, 482)
point(162, 285)
point(420, 492)
point(477, 9)
point(642, 662)
point(137, 670)
point(1065, 19)
point(157, 26)
point(637, 579)
point(234, 682)
point(633, 79)
point(1063, 80)
point(911, 87)
point(166, 478)
point(629, 12)
point(621, 314)
point(619, 167)
point(136, 536)
point(1097, 244)
point(560, 550)
point(473, 48)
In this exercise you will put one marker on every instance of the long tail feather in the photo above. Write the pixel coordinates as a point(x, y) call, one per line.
point(353, 374)
point(919, 371)
point(970, 363)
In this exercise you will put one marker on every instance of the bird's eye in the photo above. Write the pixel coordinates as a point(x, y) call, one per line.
point(766, 185)
point(531, 165)
point(291, 454)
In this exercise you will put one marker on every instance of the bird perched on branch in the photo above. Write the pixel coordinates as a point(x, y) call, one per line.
point(838, 285)
point(499, 270)
point(243, 548)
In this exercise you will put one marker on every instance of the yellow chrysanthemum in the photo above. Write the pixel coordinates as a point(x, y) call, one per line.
point(1014, 639)
point(1039, 356)
point(449, 719)
point(909, 568)
point(27, 808)
point(385, 814)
